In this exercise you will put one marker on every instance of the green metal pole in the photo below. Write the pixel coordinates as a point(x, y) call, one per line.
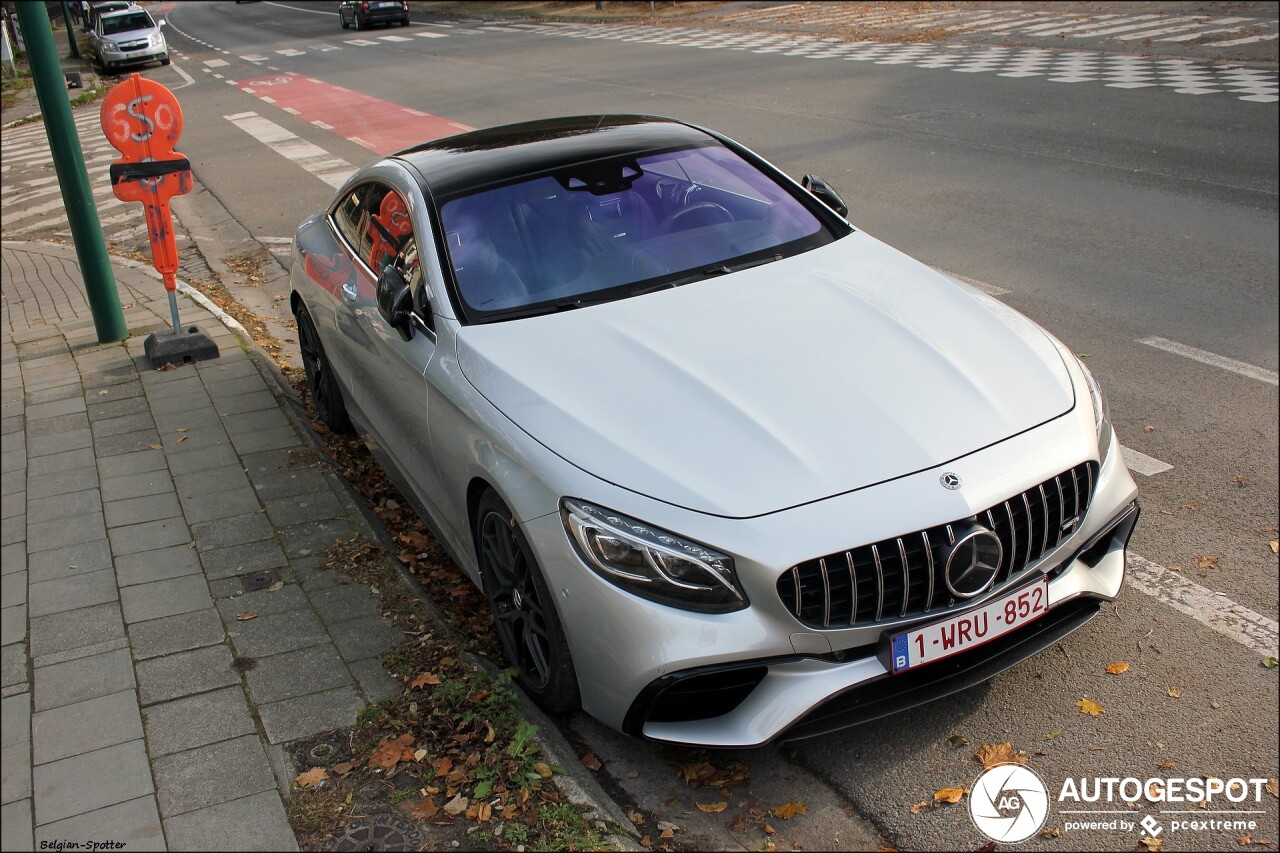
point(73, 178)
point(71, 30)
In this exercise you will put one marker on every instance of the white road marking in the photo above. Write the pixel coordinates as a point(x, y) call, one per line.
point(277, 240)
point(291, 51)
point(1143, 464)
point(216, 63)
point(1248, 40)
point(1216, 611)
point(1243, 368)
point(393, 38)
point(255, 58)
point(334, 171)
point(360, 42)
point(432, 35)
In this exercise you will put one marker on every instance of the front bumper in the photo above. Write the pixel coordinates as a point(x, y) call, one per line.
point(139, 56)
point(849, 693)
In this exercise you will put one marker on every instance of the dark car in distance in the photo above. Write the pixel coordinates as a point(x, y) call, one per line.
point(362, 13)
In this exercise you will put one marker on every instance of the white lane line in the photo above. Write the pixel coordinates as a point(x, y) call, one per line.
point(1204, 605)
point(1243, 368)
point(332, 170)
point(1247, 40)
point(1143, 464)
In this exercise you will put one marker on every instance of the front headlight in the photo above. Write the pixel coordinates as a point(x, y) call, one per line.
point(1101, 412)
point(652, 563)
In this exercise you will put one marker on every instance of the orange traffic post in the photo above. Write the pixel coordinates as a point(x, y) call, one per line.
point(142, 120)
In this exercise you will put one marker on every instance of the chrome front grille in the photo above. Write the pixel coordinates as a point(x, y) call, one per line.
point(903, 576)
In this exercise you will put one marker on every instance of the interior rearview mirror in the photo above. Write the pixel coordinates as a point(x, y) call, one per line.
point(824, 194)
point(395, 302)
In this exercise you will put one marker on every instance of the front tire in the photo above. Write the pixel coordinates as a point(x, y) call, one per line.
point(360, 22)
point(343, 21)
point(524, 611)
point(326, 394)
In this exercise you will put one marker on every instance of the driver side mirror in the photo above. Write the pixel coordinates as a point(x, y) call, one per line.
point(395, 302)
point(824, 194)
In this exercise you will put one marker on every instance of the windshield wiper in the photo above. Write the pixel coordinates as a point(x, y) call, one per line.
point(718, 269)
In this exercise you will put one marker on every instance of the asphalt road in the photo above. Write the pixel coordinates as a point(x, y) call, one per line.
point(1110, 215)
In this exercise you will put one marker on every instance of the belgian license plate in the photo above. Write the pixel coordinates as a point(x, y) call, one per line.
point(948, 637)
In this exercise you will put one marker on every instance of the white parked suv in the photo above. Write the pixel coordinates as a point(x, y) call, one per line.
point(127, 37)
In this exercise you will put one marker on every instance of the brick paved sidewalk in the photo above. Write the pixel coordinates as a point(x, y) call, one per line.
point(136, 706)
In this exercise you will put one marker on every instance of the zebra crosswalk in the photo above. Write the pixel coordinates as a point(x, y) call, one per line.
point(1182, 76)
point(1220, 31)
point(31, 204)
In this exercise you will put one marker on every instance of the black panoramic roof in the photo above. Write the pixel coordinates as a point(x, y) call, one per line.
point(466, 162)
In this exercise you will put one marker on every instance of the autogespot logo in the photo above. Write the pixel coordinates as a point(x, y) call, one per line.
point(1009, 803)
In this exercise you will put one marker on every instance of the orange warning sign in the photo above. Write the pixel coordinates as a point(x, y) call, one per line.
point(143, 121)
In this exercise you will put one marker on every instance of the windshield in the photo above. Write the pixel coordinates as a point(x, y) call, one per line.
point(139, 20)
point(610, 229)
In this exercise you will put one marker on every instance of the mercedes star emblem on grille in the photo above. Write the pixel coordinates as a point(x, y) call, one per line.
point(973, 563)
point(950, 480)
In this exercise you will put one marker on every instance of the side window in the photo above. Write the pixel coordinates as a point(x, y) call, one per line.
point(350, 218)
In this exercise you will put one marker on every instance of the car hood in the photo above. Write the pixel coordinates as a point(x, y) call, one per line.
point(775, 386)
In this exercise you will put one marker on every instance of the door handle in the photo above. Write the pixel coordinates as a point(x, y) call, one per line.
point(349, 292)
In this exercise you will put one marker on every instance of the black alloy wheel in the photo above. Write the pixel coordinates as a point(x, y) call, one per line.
point(523, 609)
point(325, 392)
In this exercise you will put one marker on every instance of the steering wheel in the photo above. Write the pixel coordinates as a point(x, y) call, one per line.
point(695, 216)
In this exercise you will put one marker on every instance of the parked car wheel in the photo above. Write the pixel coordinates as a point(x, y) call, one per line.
point(166, 61)
point(343, 21)
point(523, 609)
point(325, 392)
point(360, 22)
point(405, 22)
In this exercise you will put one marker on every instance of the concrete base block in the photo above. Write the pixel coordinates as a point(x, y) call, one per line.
point(179, 347)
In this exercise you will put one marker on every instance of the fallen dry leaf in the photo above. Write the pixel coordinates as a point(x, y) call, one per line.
point(1001, 753)
point(1090, 707)
point(787, 811)
point(918, 806)
point(1052, 735)
point(156, 446)
point(456, 806)
point(1151, 844)
point(1241, 480)
point(183, 438)
point(423, 680)
point(1275, 546)
point(182, 429)
point(543, 769)
point(424, 810)
point(1175, 692)
point(711, 808)
point(948, 795)
point(419, 754)
point(592, 763)
point(345, 767)
point(1206, 562)
point(1051, 832)
point(1269, 663)
point(484, 811)
point(312, 778)
point(1166, 765)
point(276, 587)
point(958, 740)
point(390, 751)
point(1273, 787)
point(443, 766)
point(1120, 666)
point(247, 615)
point(635, 817)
